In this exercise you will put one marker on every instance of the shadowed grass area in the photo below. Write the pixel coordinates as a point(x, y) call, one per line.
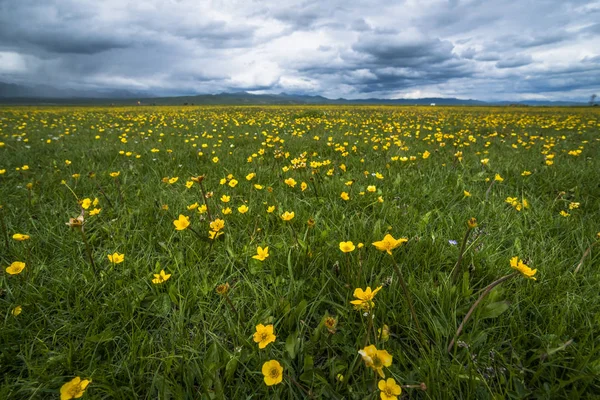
point(418, 173)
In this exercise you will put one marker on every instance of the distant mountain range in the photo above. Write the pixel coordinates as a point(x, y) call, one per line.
point(46, 94)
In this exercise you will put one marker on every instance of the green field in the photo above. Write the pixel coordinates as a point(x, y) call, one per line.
point(530, 177)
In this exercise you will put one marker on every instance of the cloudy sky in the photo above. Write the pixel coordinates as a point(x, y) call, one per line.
point(482, 49)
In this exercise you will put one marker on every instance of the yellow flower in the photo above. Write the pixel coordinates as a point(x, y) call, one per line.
point(243, 209)
point(16, 311)
point(95, 202)
point(20, 237)
point(15, 268)
point(270, 209)
point(384, 333)
point(215, 159)
point(95, 211)
point(498, 178)
point(330, 324)
point(573, 205)
point(181, 223)
point(426, 155)
point(116, 258)
point(371, 188)
point(250, 176)
point(273, 372)
point(202, 209)
point(225, 198)
point(2, 171)
point(173, 180)
point(217, 225)
point(517, 264)
point(160, 277)
point(472, 223)
point(74, 389)
point(467, 194)
point(258, 187)
point(115, 174)
point(345, 196)
point(222, 289)
point(189, 184)
point(226, 211)
point(525, 173)
point(365, 298)
point(264, 335)
point(390, 390)
point(291, 182)
point(193, 206)
point(76, 222)
point(212, 235)
point(287, 216)
point(67, 162)
point(564, 213)
point(165, 207)
point(389, 243)
point(347, 247)
point(303, 186)
point(376, 359)
point(485, 161)
point(233, 183)
point(261, 253)
point(86, 203)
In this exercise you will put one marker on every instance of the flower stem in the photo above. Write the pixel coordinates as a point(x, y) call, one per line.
point(368, 332)
point(487, 193)
point(196, 232)
point(295, 235)
point(4, 230)
point(585, 254)
point(410, 303)
point(205, 201)
point(470, 312)
point(119, 189)
point(104, 194)
point(307, 392)
point(88, 249)
point(457, 269)
point(232, 306)
point(312, 180)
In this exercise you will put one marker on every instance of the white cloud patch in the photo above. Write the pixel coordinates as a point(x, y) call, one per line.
point(480, 49)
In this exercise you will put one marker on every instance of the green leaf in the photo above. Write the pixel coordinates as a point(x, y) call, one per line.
point(309, 363)
point(162, 305)
point(291, 344)
point(425, 221)
point(230, 368)
point(493, 310)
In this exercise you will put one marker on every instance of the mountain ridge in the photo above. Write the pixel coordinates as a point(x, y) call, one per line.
point(49, 95)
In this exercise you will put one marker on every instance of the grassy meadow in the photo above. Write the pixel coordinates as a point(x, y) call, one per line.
point(96, 202)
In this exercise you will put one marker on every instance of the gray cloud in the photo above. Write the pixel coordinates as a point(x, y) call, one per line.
point(460, 48)
point(515, 61)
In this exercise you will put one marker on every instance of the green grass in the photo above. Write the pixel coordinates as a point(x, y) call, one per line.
point(180, 339)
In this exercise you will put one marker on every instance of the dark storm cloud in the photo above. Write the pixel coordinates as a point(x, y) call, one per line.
point(396, 50)
point(460, 48)
point(514, 61)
